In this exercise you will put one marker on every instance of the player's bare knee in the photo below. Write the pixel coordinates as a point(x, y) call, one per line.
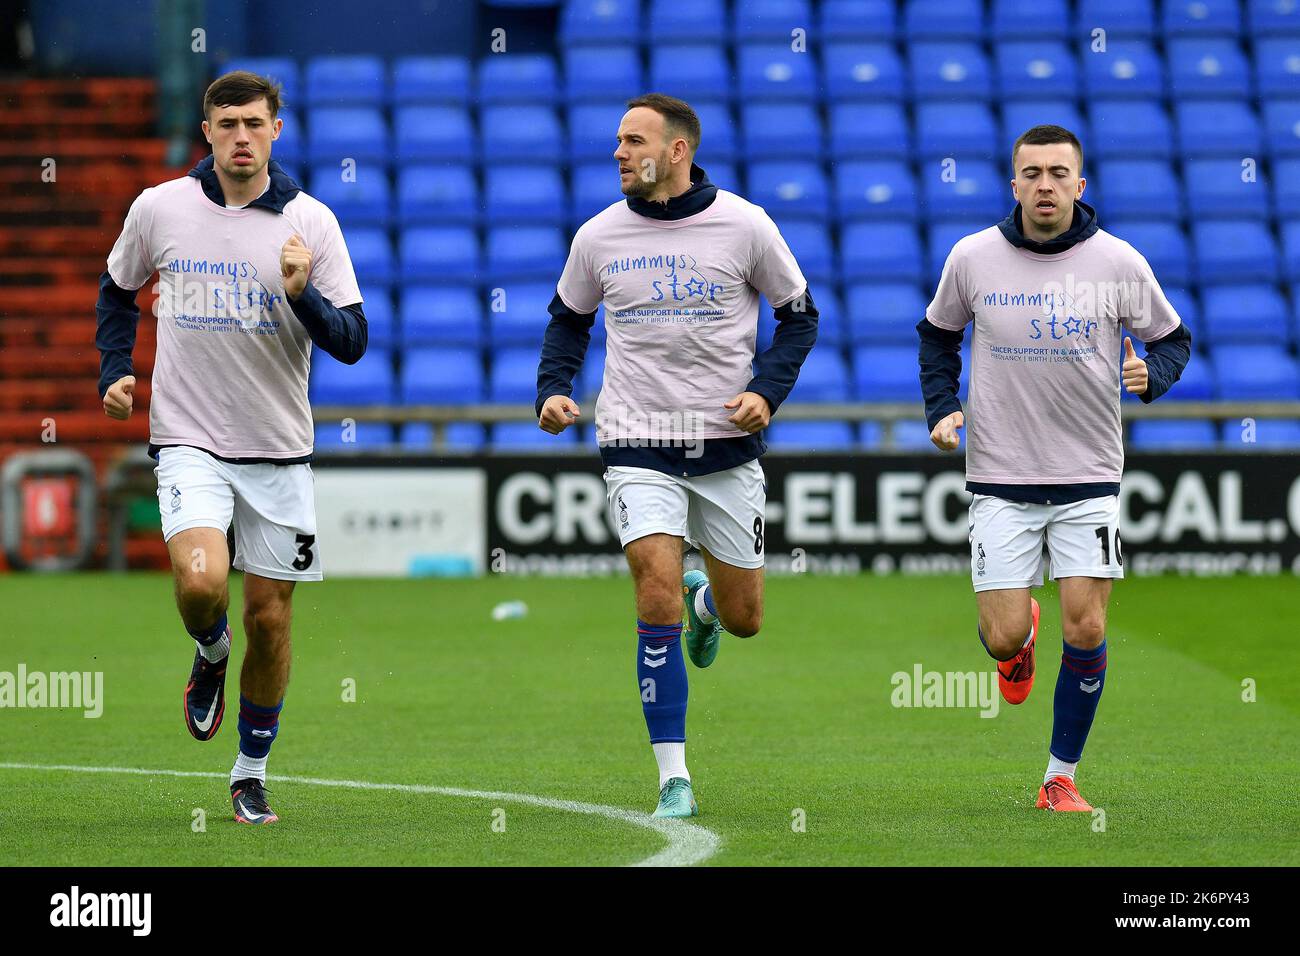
point(266, 621)
point(1005, 637)
point(200, 594)
point(746, 624)
point(1085, 633)
point(659, 603)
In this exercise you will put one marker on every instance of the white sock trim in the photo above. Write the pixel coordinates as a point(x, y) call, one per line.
point(246, 766)
point(1059, 768)
point(217, 650)
point(671, 756)
point(701, 609)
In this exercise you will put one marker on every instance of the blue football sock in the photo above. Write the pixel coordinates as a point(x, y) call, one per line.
point(211, 635)
point(257, 727)
point(661, 674)
point(708, 599)
point(1078, 690)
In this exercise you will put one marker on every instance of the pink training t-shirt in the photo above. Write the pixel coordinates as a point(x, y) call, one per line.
point(230, 375)
point(1045, 354)
point(681, 312)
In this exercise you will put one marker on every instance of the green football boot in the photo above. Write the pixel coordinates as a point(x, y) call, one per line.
point(676, 800)
point(702, 639)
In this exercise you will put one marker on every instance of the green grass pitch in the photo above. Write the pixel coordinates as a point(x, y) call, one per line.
point(797, 719)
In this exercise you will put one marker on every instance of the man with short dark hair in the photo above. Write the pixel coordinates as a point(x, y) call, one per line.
point(679, 267)
point(252, 271)
point(1048, 294)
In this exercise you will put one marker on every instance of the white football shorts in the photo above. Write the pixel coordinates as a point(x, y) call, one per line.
point(1006, 541)
point(721, 512)
point(273, 507)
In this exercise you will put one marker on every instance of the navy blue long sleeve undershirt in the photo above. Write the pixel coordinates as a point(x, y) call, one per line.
point(342, 332)
point(777, 369)
point(116, 315)
point(563, 349)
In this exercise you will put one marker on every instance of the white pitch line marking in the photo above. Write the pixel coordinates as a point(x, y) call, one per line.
point(688, 843)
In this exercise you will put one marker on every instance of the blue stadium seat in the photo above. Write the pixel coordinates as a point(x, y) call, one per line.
point(347, 81)
point(367, 201)
point(593, 73)
point(600, 22)
point(426, 134)
point(941, 237)
point(943, 20)
point(1215, 189)
point(442, 315)
point(717, 133)
point(1127, 18)
point(288, 148)
point(1268, 433)
point(912, 435)
point(1207, 67)
point(378, 306)
point(335, 436)
point(437, 195)
point(1019, 116)
point(1140, 187)
point(869, 130)
point(457, 436)
point(1030, 19)
point(1273, 18)
point(724, 176)
point(691, 73)
point(595, 186)
point(1196, 384)
point(1162, 243)
point(1201, 18)
point(1256, 373)
point(517, 253)
point(1218, 128)
point(885, 313)
point(1130, 130)
point(1186, 305)
point(857, 19)
point(780, 131)
point(862, 71)
point(441, 376)
point(1129, 69)
point(530, 78)
point(886, 373)
point(527, 192)
point(823, 378)
point(666, 23)
point(759, 21)
point(1291, 250)
point(1036, 69)
point(880, 252)
point(811, 436)
point(1236, 314)
point(774, 72)
point(522, 318)
point(1286, 188)
point(979, 191)
point(788, 189)
point(372, 257)
point(955, 129)
point(1281, 125)
point(347, 133)
point(513, 377)
point(593, 131)
point(875, 189)
point(1152, 434)
point(281, 69)
point(420, 80)
point(1277, 66)
point(1234, 251)
point(949, 71)
point(527, 437)
point(810, 242)
point(368, 382)
point(439, 254)
point(532, 131)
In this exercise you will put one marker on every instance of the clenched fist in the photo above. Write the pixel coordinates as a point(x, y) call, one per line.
point(295, 266)
point(752, 412)
point(118, 400)
point(944, 435)
point(558, 413)
point(1135, 370)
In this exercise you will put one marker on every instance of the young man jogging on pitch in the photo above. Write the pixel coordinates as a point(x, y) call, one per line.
point(252, 271)
point(679, 267)
point(1049, 295)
